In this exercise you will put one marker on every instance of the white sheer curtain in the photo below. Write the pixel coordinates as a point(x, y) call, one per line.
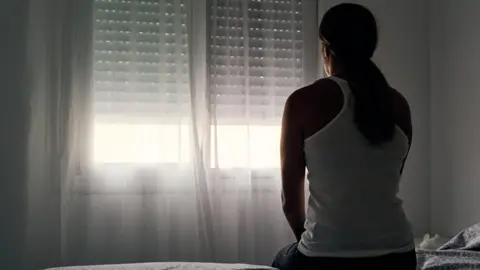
point(59, 46)
point(171, 154)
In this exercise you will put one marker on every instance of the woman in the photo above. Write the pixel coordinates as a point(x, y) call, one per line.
point(352, 131)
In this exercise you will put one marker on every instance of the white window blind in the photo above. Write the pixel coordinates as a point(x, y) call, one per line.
point(141, 60)
point(256, 58)
point(141, 91)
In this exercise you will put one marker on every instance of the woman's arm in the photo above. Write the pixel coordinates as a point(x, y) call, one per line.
point(293, 167)
point(403, 119)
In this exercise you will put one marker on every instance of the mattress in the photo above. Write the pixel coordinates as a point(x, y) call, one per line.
point(168, 266)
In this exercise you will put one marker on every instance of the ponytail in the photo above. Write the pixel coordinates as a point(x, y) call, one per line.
point(372, 102)
point(349, 33)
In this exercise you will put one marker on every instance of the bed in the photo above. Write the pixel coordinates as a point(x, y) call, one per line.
point(169, 266)
point(461, 252)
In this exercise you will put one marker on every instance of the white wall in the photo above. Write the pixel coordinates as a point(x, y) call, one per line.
point(13, 119)
point(455, 99)
point(403, 55)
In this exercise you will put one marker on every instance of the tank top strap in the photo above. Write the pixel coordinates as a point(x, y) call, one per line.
point(343, 84)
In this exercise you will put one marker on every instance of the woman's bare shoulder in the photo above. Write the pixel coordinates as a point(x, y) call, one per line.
point(320, 90)
point(315, 105)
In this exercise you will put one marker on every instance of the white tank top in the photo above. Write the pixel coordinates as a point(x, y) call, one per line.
point(353, 208)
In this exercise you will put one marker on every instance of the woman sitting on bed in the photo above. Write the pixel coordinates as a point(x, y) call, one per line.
point(352, 131)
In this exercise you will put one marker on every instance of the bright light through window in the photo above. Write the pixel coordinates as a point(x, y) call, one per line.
point(236, 147)
point(247, 146)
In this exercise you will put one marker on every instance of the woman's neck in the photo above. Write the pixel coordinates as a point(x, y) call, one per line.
point(345, 72)
point(338, 70)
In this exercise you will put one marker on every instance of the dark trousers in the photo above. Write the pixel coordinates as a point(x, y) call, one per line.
point(290, 258)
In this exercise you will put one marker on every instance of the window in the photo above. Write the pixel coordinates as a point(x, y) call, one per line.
point(256, 58)
point(256, 61)
point(142, 94)
point(141, 88)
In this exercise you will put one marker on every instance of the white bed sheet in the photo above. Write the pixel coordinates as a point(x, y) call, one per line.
point(168, 266)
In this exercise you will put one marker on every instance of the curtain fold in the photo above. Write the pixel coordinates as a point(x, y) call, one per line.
point(197, 31)
point(155, 128)
point(59, 62)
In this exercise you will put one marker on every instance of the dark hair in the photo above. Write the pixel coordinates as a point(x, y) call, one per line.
point(349, 34)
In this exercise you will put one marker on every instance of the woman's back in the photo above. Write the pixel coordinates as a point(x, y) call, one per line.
point(353, 137)
point(353, 209)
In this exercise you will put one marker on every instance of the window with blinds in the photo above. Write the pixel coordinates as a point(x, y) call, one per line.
point(141, 88)
point(141, 60)
point(256, 58)
point(142, 94)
